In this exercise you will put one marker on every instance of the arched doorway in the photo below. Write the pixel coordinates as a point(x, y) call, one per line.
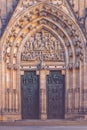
point(43, 94)
point(63, 28)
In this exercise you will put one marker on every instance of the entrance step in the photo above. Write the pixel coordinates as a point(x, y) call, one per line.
point(45, 123)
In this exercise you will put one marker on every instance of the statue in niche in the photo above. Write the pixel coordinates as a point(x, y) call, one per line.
point(42, 64)
point(37, 42)
point(31, 46)
point(45, 40)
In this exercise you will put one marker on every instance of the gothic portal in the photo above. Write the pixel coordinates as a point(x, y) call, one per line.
point(43, 63)
point(43, 82)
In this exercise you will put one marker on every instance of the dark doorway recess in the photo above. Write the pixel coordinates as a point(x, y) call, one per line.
point(30, 95)
point(55, 95)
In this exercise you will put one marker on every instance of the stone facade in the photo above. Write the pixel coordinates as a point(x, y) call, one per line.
point(44, 35)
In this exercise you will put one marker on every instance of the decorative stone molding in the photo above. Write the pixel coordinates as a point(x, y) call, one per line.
point(70, 53)
point(77, 90)
point(12, 66)
point(9, 66)
point(67, 44)
point(42, 13)
point(77, 65)
point(15, 66)
point(70, 90)
point(26, 3)
point(70, 66)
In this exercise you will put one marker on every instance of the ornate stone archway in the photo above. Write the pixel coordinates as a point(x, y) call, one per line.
point(43, 52)
point(62, 27)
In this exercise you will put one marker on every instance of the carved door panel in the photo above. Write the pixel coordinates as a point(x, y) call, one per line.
point(30, 95)
point(55, 95)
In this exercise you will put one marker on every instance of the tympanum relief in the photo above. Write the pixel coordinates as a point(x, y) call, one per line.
point(43, 46)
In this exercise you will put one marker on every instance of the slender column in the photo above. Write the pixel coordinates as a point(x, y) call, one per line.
point(0, 80)
point(74, 86)
point(81, 87)
point(85, 89)
point(70, 91)
point(18, 95)
point(43, 95)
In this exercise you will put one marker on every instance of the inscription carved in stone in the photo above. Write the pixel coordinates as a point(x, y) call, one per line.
point(42, 46)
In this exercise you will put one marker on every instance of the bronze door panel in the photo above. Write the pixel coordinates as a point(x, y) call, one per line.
point(55, 95)
point(30, 95)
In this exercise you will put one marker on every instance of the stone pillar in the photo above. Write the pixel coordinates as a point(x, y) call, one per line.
point(43, 95)
point(43, 109)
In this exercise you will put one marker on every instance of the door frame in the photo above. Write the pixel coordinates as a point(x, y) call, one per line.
point(37, 71)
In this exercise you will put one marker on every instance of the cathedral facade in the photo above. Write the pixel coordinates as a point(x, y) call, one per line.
point(43, 59)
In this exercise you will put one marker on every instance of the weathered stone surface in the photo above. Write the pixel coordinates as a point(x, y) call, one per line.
point(43, 36)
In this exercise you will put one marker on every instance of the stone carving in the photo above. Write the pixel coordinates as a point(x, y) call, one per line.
point(42, 46)
point(77, 65)
point(70, 66)
point(42, 65)
point(58, 2)
point(27, 3)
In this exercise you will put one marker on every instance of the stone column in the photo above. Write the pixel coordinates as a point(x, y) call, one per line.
point(43, 95)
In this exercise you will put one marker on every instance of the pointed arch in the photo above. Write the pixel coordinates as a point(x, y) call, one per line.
point(21, 26)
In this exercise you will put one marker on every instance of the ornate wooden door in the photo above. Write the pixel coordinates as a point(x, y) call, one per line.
point(55, 95)
point(30, 95)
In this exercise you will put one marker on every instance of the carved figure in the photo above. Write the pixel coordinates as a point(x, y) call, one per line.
point(42, 46)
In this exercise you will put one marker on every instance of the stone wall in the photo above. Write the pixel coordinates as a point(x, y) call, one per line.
point(7, 7)
point(79, 6)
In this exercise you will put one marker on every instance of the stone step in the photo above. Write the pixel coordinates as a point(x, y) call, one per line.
point(45, 123)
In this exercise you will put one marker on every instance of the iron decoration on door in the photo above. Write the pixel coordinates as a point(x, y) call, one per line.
point(55, 95)
point(30, 95)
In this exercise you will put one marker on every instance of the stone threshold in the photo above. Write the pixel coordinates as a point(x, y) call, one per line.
point(45, 123)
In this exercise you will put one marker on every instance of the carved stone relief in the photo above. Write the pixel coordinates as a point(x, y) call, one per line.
point(42, 46)
point(27, 3)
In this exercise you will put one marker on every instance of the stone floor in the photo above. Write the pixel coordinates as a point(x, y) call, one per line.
point(43, 128)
